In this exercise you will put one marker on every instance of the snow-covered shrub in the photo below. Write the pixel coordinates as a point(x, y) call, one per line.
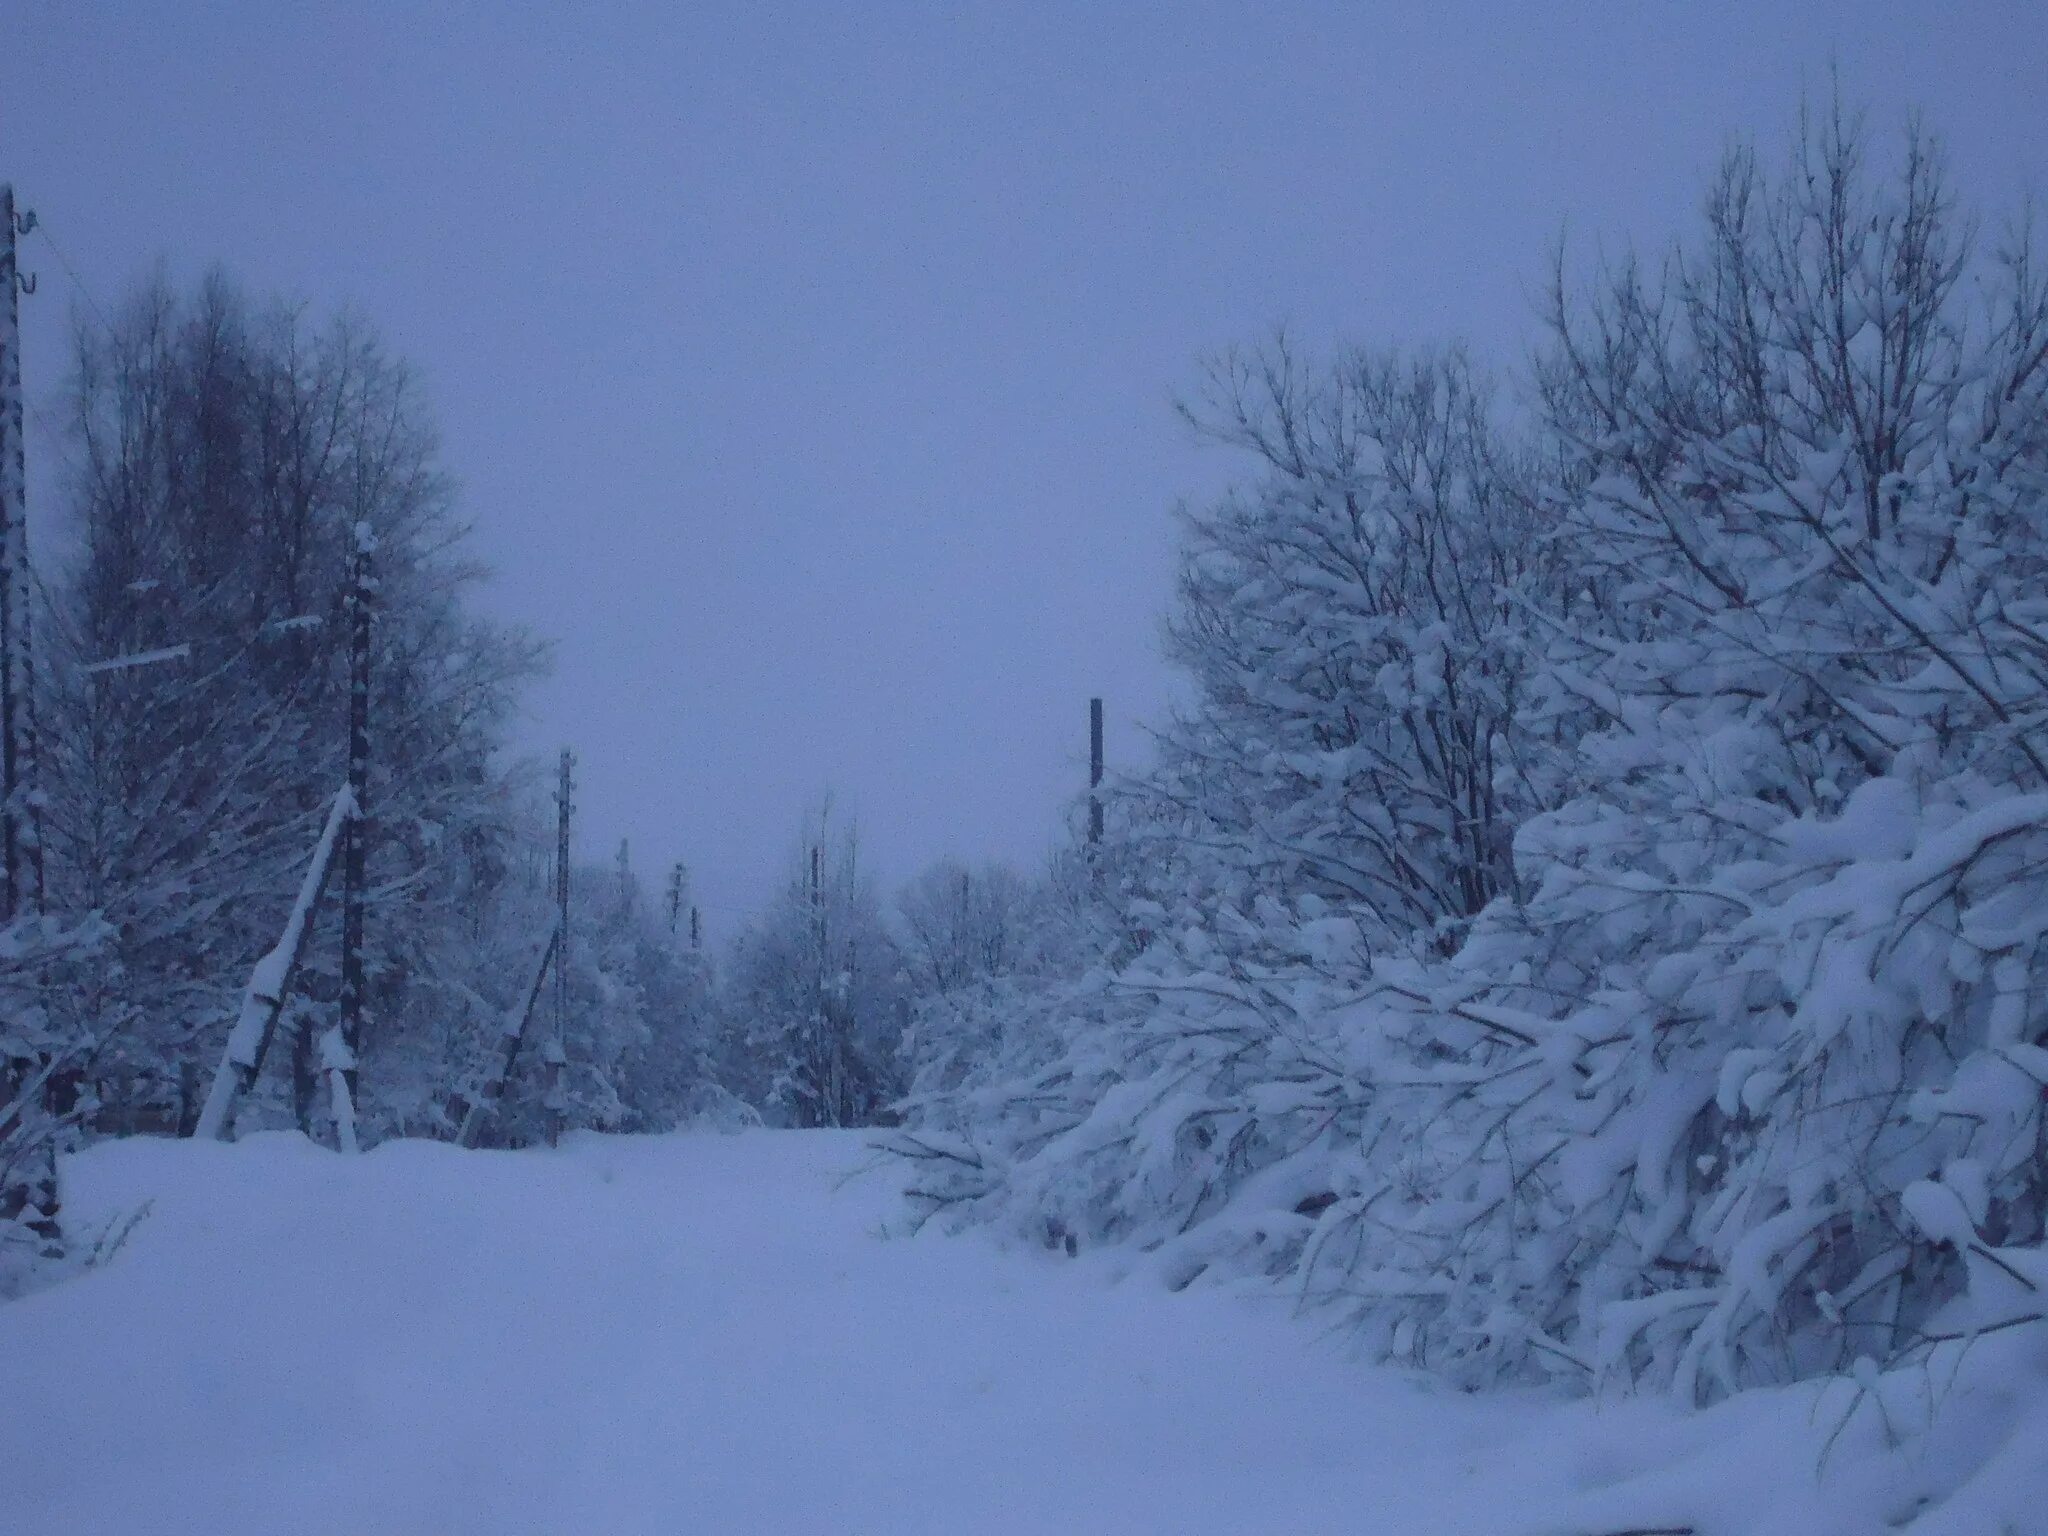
point(1355, 623)
point(1346, 780)
point(44, 1058)
point(1735, 1069)
point(30, 1237)
point(1776, 968)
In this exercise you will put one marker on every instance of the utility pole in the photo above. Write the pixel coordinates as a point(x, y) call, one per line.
point(473, 1118)
point(821, 1035)
point(21, 885)
point(557, 1053)
point(696, 931)
point(1094, 775)
point(21, 879)
point(343, 1053)
point(678, 878)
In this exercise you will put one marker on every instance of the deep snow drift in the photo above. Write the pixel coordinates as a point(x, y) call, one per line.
point(700, 1333)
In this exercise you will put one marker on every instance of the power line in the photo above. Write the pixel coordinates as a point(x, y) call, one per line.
point(43, 419)
point(42, 228)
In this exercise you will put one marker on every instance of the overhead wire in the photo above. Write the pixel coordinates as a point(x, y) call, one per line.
point(78, 283)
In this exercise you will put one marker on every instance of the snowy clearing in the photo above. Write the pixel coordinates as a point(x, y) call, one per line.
point(706, 1333)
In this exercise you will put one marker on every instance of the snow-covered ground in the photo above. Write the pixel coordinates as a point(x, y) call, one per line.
point(711, 1334)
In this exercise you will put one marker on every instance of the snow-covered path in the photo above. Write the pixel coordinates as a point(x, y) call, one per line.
point(707, 1334)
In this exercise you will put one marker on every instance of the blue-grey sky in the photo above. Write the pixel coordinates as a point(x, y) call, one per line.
point(808, 367)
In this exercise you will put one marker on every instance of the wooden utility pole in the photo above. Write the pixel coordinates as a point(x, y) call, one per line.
point(23, 1191)
point(21, 879)
point(556, 1053)
point(1094, 774)
point(678, 881)
point(343, 1054)
point(818, 913)
point(475, 1118)
point(821, 1034)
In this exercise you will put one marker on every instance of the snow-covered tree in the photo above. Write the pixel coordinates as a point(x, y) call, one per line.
point(670, 1074)
point(1354, 618)
point(978, 946)
point(960, 925)
point(1709, 1049)
point(1762, 1051)
point(1346, 779)
point(813, 993)
point(223, 456)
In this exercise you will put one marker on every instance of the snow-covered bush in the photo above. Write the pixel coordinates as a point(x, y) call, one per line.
point(1355, 621)
point(1735, 1068)
point(30, 1236)
point(43, 1069)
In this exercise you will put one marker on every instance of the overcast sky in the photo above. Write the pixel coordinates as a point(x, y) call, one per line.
point(808, 368)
